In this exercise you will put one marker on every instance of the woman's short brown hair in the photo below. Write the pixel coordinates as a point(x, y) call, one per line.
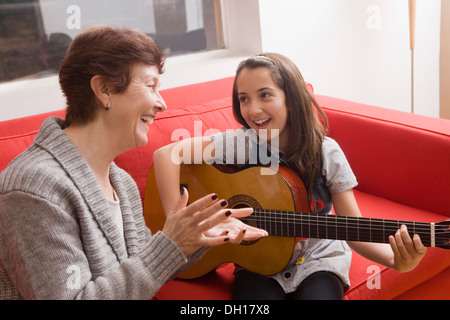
point(108, 52)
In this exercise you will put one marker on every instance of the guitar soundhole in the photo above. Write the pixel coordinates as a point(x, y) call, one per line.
point(244, 201)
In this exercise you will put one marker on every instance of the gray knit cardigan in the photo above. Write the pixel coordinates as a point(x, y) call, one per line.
point(57, 237)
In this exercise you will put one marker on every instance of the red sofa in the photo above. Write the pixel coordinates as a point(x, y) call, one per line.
point(402, 162)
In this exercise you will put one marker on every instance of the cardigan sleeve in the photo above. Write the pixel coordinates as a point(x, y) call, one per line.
point(44, 256)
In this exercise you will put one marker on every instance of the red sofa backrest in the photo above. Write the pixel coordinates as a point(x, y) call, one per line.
point(395, 155)
point(18, 134)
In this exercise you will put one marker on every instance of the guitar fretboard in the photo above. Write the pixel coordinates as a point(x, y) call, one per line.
point(295, 224)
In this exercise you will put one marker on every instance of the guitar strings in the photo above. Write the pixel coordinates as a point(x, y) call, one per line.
point(347, 220)
point(315, 217)
point(313, 227)
point(313, 230)
point(374, 233)
point(336, 221)
point(331, 224)
point(313, 224)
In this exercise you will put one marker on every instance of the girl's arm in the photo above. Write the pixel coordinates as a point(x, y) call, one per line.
point(402, 253)
point(167, 160)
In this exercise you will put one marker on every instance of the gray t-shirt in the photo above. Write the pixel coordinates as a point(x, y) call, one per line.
point(242, 149)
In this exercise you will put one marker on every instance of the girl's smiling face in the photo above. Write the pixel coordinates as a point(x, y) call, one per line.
point(262, 103)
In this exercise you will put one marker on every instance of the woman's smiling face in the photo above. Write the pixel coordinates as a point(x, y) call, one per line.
point(262, 103)
point(138, 105)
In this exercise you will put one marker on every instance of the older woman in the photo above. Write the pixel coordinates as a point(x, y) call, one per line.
point(71, 223)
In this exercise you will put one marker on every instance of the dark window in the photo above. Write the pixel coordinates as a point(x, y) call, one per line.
point(35, 34)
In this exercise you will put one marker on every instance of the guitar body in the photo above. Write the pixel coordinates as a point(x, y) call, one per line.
point(256, 187)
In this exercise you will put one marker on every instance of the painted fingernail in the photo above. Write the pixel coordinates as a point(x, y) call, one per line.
point(224, 203)
point(215, 197)
point(228, 213)
point(244, 231)
point(226, 239)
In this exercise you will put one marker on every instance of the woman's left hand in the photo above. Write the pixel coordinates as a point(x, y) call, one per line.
point(407, 252)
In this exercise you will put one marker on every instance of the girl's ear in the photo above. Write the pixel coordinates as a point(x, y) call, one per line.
point(100, 90)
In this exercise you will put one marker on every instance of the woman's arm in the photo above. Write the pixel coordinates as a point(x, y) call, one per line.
point(46, 258)
point(402, 253)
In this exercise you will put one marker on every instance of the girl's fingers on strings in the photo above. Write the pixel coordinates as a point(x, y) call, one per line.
point(420, 248)
point(393, 244)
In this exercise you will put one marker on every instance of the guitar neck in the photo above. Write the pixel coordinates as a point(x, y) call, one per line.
point(307, 225)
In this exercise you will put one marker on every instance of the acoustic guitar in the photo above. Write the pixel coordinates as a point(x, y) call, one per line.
point(281, 207)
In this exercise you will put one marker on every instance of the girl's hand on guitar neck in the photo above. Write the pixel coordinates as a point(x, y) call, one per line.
point(402, 253)
point(205, 223)
point(407, 252)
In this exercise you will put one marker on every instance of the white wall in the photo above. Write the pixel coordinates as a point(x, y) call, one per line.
point(328, 39)
point(359, 49)
point(29, 97)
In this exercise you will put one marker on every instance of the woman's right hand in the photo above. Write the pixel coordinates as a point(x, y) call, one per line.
point(187, 226)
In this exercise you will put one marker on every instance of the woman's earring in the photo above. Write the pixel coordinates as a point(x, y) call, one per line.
point(108, 106)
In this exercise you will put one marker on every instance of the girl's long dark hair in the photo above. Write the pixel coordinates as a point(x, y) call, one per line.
point(306, 121)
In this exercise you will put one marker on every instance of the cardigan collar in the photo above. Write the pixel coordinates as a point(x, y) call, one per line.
point(52, 138)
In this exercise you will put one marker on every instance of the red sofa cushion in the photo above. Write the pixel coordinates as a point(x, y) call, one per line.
point(436, 260)
point(392, 283)
point(434, 289)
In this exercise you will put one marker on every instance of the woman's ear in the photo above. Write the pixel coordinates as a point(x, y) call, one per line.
point(100, 90)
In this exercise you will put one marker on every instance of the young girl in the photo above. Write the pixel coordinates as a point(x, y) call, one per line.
point(270, 98)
